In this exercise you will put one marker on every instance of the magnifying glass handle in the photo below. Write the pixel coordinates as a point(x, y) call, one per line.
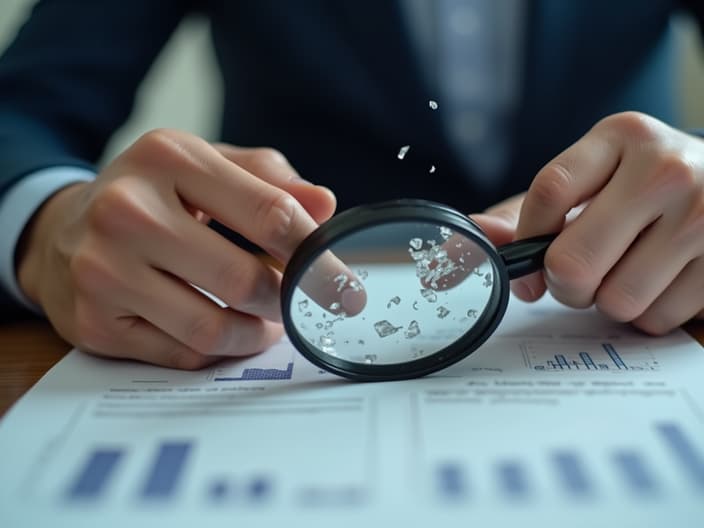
point(525, 256)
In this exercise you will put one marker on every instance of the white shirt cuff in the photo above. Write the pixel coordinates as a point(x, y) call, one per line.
point(17, 206)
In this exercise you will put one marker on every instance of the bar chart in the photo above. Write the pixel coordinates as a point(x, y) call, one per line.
point(276, 365)
point(571, 474)
point(587, 357)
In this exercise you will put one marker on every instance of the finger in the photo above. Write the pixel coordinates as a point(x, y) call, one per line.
point(197, 322)
point(272, 166)
point(680, 302)
point(333, 286)
point(588, 248)
point(643, 273)
point(135, 338)
point(201, 256)
point(567, 181)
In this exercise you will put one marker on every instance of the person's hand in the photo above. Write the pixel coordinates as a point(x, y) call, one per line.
point(637, 248)
point(112, 262)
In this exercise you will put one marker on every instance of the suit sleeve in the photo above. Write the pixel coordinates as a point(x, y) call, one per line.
point(68, 81)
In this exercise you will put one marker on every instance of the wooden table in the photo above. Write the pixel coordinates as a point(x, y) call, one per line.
point(28, 349)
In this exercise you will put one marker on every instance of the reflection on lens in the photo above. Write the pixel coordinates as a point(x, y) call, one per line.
point(393, 293)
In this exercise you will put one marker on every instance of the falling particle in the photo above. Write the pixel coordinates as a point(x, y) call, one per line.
point(415, 305)
point(394, 300)
point(402, 152)
point(335, 306)
point(369, 358)
point(412, 330)
point(362, 274)
point(302, 305)
point(472, 314)
point(487, 280)
point(429, 295)
point(432, 169)
point(308, 314)
point(445, 233)
point(328, 325)
point(477, 271)
point(341, 280)
point(318, 325)
point(458, 245)
point(433, 104)
point(360, 342)
point(385, 328)
point(442, 312)
point(416, 243)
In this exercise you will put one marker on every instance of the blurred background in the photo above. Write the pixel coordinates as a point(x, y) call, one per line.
point(183, 90)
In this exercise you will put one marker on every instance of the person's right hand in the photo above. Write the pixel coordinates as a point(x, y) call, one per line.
point(110, 261)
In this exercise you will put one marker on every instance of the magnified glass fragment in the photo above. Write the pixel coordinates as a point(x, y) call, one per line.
point(419, 287)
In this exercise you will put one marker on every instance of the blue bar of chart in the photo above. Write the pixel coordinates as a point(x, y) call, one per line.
point(513, 480)
point(451, 481)
point(165, 474)
point(635, 472)
point(591, 358)
point(93, 479)
point(689, 458)
point(571, 473)
point(260, 374)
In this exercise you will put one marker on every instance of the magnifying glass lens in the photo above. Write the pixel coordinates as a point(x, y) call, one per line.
point(392, 293)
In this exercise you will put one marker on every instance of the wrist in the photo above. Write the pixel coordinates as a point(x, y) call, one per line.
point(35, 243)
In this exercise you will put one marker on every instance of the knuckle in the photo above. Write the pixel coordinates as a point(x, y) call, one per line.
point(166, 150)
point(676, 172)
point(206, 334)
point(269, 156)
point(635, 125)
point(551, 184)
point(619, 301)
point(275, 216)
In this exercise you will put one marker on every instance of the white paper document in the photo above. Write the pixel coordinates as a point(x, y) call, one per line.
point(561, 419)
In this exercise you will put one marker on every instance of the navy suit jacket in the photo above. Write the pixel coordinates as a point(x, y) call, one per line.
point(333, 84)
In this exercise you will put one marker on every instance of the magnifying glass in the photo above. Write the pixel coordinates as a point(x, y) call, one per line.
point(399, 289)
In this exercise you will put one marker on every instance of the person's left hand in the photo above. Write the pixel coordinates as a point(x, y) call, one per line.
point(637, 248)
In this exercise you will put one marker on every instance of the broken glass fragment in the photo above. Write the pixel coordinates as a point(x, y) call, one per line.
point(472, 314)
point(433, 104)
point(412, 330)
point(429, 295)
point(335, 306)
point(432, 169)
point(385, 328)
point(445, 232)
point(416, 243)
point(402, 152)
point(308, 314)
point(415, 305)
point(487, 280)
point(302, 305)
point(369, 358)
point(442, 312)
point(394, 300)
point(341, 280)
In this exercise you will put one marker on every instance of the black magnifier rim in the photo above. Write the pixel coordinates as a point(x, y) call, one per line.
point(367, 216)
